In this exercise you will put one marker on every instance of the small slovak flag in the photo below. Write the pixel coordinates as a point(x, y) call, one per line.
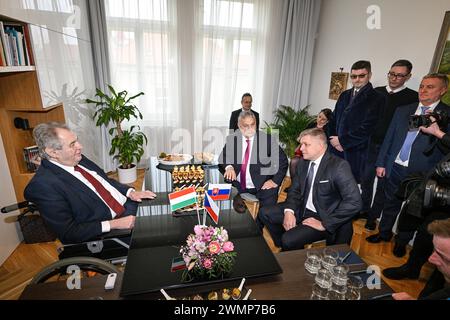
point(212, 208)
point(219, 191)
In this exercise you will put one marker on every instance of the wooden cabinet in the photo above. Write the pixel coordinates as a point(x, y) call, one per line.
point(20, 97)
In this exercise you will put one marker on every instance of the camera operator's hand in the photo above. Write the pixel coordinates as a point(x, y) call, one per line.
point(381, 172)
point(433, 129)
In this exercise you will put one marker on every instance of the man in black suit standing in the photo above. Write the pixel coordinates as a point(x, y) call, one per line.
point(395, 94)
point(354, 119)
point(74, 196)
point(321, 202)
point(253, 162)
point(408, 150)
point(246, 103)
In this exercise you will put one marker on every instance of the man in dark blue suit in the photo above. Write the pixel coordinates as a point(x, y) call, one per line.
point(74, 196)
point(322, 200)
point(405, 151)
point(253, 162)
point(354, 118)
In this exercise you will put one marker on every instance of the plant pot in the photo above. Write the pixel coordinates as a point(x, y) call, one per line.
point(127, 175)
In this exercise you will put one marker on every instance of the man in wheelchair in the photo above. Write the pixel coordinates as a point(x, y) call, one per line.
point(74, 196)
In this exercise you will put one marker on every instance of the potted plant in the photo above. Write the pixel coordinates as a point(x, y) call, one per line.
point(289, 123)
point(127, 144)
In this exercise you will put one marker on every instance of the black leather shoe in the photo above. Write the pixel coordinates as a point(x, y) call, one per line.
point(402, 272)
point(376, 238)
point(239, 204)
point(399, 250)
point(370, 225)
point(360, 215)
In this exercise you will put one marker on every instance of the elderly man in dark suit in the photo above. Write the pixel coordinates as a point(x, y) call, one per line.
point(408, 150)
point(354, 119)
point(253, 162)
point(321, 202)
point(74, 196)
point(246, 103)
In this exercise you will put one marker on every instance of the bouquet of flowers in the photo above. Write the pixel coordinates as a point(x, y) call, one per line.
point(207, 254)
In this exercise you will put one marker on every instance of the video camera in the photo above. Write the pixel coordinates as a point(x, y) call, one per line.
point(438, 193)
point(416, 121)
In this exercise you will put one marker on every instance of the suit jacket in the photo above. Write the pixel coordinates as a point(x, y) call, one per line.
point(67, 205)
point(419, 159)
point(336, 195)
point(234, 119)
point(354, 122)
point(267, 160)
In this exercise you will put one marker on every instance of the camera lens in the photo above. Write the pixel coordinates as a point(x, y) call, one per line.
point(436, 194)
point(443, 169)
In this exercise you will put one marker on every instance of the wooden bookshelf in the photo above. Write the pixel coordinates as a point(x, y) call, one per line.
point(20, 97)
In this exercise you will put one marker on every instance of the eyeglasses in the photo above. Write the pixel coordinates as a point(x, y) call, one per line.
point(361, 76)
point(396, 75)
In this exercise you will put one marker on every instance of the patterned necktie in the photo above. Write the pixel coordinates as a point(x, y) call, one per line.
point(308, 185)
point(103, 192)
point(244, 165)
point(410, 137)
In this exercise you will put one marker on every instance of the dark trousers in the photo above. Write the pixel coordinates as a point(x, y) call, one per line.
point(392, 204)
point(368, 178)
point(296, 238)
point(423, 243)
point(268, 197)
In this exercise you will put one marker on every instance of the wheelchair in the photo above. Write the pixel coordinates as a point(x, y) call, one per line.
point(111, 247)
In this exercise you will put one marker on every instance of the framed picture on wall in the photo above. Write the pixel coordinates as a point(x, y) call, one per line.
point(338, 84)
point(441, 59)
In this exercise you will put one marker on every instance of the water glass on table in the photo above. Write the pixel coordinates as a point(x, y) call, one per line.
point(329, 258)
point(354, 287)
point(312, 262)
point(319, 293)
point(323, 278)
point(339, 277)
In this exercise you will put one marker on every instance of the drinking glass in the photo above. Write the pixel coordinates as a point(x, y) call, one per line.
point(329, 259)
point(339, 274)
point(334, 295)
point(323, 278)
point(354, 287)
point(319, 293)
point(312, 262)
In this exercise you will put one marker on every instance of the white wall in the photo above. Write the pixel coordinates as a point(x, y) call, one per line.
point(9, 237)
point(409, 30)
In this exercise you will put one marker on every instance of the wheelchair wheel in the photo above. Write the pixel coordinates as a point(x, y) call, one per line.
point(84, 263)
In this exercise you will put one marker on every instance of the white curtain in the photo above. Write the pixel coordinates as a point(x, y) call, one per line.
point(194, 59)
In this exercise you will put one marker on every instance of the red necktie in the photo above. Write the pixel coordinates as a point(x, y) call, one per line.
point(103, 192)
point(244, 166)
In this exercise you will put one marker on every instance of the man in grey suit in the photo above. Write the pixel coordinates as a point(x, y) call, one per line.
point(322, 201)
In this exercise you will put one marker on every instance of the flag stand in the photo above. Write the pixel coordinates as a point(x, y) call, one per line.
point(204, 216)
point(198, 215)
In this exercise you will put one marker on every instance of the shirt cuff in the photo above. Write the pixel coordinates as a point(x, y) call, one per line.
point(289, 210)
point(130, 191)
point(106, 227)
point(229, 166)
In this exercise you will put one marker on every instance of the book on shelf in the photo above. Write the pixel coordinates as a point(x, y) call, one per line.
point(15, 42)
point(31, 155)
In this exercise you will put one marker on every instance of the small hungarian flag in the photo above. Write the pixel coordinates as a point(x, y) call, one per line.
point(219, 191)
point(182, 198)
point(211, 208)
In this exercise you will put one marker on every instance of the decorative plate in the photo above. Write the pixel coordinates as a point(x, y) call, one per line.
point(175, 159)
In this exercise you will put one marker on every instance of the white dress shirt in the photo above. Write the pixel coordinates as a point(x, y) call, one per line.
point(248, 178)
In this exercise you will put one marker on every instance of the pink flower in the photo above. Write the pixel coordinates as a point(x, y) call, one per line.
point(198, 230)
point(207, 263)
point(228, 246)
point(214, 247)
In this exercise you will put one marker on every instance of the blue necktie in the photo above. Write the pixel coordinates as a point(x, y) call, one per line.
point(410, 137)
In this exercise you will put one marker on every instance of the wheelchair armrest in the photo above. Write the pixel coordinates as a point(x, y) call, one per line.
point(116, 233)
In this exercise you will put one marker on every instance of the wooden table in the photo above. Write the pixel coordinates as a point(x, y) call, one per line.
point(294, 283)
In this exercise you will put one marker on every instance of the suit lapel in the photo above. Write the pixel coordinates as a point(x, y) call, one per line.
point(70, 180)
